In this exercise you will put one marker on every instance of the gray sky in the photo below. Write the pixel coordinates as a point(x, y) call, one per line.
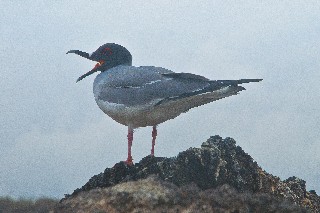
point(54, 137)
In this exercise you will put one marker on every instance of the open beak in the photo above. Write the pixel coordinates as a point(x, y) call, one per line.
point(78, 52)
point(95, 69)
point(87, 56)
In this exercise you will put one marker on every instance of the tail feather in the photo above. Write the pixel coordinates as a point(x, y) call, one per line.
point(216, 90)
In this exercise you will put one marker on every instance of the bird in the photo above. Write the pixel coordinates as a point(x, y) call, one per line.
point(148, 95)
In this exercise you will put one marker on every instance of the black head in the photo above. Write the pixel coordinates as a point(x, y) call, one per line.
point(108, 55)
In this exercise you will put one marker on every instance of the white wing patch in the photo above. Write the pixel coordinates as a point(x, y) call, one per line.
point(144, 85)
point(152, 82)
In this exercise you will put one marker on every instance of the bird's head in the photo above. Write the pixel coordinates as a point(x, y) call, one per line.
point(108, 55)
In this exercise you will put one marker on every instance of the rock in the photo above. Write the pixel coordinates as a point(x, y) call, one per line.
point(218, 177)
point(155, 195)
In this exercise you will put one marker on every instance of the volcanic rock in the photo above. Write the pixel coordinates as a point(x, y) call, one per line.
point(218, 177)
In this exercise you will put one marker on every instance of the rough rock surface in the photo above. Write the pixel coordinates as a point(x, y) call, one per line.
point(218, 177)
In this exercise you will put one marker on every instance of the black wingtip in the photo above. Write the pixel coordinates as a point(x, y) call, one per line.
point(241, 81)
point(236, 82)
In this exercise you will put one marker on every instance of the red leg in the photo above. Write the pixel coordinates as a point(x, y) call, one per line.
point(130, 139)
point(154, 136)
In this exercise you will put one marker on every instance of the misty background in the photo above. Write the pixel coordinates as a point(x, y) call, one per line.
point(53, 136)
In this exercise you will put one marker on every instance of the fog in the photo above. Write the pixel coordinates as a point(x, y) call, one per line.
point(53, 136)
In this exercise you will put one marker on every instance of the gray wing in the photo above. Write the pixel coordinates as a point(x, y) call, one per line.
point(142, 85)
point(133, 86)
point(133, 77)
point(214, 90)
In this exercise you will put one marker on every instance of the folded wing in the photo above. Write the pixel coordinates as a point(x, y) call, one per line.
point(134, 86)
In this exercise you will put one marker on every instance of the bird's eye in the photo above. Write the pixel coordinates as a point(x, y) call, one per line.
point(107, 51)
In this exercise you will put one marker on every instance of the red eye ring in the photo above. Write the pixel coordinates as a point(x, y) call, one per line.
point(107, 49)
